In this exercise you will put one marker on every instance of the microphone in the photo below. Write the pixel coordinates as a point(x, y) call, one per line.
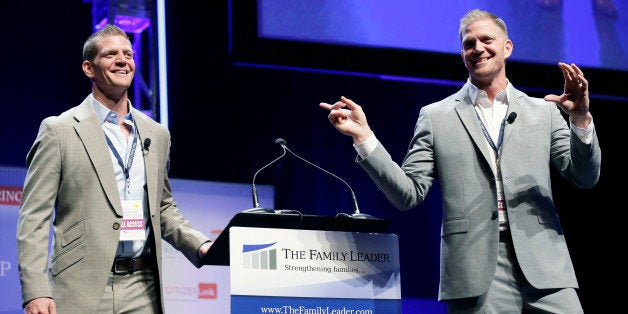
point(356, 213)
point(511, 117)
point(256, 206)
point(145, 146)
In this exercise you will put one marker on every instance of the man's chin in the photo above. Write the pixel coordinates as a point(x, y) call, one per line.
point(122, 84)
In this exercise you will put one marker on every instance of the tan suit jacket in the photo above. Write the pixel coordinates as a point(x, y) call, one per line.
point(70, 183)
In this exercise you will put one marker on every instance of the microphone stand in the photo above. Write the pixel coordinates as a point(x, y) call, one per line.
point(256, 206)
point(356, 213)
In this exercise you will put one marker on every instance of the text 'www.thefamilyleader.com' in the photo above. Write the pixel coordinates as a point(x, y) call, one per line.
point(287, 309)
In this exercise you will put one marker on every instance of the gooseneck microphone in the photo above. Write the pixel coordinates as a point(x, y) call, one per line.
point(356, 213)
point(256, 206)
point(511, 117)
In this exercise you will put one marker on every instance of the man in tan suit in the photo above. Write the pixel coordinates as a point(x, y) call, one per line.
point(99, 174)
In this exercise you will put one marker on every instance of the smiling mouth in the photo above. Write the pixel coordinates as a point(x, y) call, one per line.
point(480, 61)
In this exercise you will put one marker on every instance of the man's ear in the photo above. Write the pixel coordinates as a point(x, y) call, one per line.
point(508, 46)
point(88, 69)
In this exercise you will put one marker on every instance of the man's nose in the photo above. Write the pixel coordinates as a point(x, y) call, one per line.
point(478, 47)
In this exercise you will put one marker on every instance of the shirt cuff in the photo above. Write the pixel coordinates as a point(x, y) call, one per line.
point(585, 135)
point(367, 147)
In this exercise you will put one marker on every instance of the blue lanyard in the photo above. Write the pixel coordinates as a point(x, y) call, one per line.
point(488, 136)
point(490, 142)
point(125, 169)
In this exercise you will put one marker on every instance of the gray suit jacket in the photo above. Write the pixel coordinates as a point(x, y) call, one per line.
point(70, 175)
point(448, 144)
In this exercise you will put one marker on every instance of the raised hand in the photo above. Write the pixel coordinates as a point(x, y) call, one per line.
point(575, 98)
point(348, 118)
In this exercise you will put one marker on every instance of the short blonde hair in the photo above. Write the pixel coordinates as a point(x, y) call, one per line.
point(478, 15)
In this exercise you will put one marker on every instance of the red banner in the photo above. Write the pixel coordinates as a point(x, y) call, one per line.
point(10, 195)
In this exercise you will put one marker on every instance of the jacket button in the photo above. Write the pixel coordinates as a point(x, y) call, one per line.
point(494, 215)
point(116, 226)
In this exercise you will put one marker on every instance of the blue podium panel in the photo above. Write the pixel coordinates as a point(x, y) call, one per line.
point(314, 271)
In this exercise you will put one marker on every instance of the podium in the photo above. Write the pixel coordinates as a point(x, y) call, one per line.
point(219, 252)
point(294, 263)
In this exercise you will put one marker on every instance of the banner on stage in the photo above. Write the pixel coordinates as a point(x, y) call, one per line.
point(313, 271)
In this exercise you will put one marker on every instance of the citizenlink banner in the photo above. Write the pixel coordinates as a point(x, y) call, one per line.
point(313, 272)
point(207, 205)
point(11, 181)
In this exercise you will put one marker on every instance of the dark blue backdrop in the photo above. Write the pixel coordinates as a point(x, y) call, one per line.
point(224, 119)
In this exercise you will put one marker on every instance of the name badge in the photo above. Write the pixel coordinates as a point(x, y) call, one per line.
point(132, 221)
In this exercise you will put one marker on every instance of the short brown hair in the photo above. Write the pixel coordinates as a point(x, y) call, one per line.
point(90, 48)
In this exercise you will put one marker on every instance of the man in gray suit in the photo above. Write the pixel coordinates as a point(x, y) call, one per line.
point(491, 146)
point(99, 174)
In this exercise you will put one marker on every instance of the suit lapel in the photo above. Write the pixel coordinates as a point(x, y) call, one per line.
point(151, 164)
point(90, 132)
point(467, 114)
point(514, 105)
